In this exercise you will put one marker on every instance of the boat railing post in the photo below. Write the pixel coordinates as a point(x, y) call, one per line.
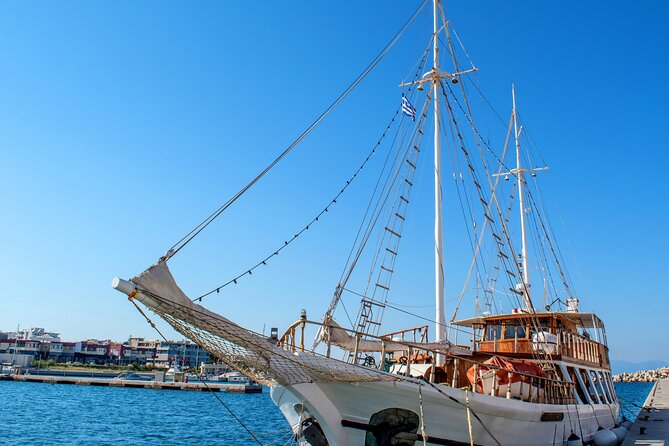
point(357, 346)
point(382, 359)
point(454, 382)
point(477, 377)
point(408, 371)
point(515, 342)
point(433, 371)
point(327, 353)
point(520, 390)
point(531, 394)
point(494, 387)
point(508, 387)
point(302, 336)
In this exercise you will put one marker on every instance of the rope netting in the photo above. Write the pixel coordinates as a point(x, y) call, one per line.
point(249, 353)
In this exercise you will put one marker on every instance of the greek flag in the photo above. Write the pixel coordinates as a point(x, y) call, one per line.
point(408, 109)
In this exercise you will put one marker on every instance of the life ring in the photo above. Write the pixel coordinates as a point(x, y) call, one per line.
point(402, 359)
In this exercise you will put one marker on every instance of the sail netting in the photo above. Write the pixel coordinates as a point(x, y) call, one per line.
point(250, 353)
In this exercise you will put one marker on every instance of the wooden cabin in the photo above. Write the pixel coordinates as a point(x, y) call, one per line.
point(572, 337)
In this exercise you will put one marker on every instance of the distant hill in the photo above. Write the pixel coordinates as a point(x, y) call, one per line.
point(618, 366)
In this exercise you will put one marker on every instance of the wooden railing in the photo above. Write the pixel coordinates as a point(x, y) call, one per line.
point(569, 344)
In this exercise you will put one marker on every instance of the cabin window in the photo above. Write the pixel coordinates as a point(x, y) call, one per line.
point(493, 332)
point(577, 385)
point(604, 386)
point(514, 331)
point(589, 387)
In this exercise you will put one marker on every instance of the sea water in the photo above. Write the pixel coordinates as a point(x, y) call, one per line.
point(57, 414)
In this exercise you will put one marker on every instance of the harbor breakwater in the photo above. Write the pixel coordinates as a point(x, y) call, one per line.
point(644, 376)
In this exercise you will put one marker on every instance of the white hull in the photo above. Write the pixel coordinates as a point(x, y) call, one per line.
point(511, 422)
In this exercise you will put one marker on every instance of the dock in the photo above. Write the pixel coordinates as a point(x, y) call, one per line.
point(652, 424)
point(160, 385)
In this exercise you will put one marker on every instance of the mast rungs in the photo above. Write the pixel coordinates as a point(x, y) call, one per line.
point(411, 164)
point(387, 269)
point(501, 254)
point(489, 218)
point(408, 182)
point(391, 251)
point(382, 286)
point(510, 273)
point(404, 199)
point(416, 148)
point(401, 217)
point(393, 232)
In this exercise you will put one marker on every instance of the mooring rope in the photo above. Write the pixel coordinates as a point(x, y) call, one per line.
point(469, 418)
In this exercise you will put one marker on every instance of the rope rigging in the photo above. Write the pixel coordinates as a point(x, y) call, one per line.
point(178, 246)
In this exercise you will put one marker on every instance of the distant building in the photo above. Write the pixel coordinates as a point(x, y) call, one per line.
point(92, 351)
point(124, 354)
point(214, 369)
point(37, 343)
point(35, 334)
point(62, 352)
point(181, 353)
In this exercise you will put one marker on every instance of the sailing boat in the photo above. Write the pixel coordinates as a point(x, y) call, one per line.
point(523, 377)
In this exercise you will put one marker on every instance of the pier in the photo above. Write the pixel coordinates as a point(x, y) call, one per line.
point(652, 424)
point(160, 385)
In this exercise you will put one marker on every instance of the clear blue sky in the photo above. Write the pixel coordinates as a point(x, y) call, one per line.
point(122, 125)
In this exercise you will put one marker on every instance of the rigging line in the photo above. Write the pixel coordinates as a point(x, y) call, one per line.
point(333, 201)
point(551, 231)
point(485, 224)
point(403, 190)
point(558, 257)
point(199, 228)
point(150, 322)
point(371, 198)
point(381, 203)
point(386, 191)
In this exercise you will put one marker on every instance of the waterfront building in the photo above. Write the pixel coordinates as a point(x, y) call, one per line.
point(181, 353)
point(92, 351)
point(62, 352)
point(123, 354)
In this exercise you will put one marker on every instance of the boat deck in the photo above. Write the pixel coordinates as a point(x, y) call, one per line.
point(652, 425)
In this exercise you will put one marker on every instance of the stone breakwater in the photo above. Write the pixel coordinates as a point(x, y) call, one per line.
point(642, 376)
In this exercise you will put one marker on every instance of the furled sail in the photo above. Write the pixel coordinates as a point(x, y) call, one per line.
point(341, 338)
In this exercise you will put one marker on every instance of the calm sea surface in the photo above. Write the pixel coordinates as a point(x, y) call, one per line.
point(47, 414)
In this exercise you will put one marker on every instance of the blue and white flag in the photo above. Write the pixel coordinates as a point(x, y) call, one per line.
point(408, 109)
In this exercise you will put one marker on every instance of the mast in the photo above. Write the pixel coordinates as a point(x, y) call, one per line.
point(440, 318)
point(525, 286)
